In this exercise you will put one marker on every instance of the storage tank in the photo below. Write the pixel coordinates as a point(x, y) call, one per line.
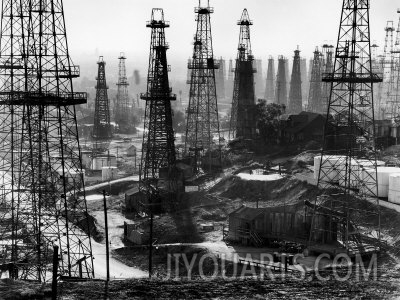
point(367, 164)
point(109, 173)
point(357, 166)
point(369, 176)
point(394, 188)
point(328, 160)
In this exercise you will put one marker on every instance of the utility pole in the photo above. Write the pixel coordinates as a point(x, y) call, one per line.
point(151, 236)
point(106, 231)
point(55, 273)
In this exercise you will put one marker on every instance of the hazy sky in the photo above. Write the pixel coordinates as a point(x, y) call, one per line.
point(104, 27)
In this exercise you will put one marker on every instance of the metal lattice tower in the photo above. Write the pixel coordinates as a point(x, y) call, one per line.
point(202, 114)
point(396, 74)
point(42, 200)
point(259, 87)
point(281, 91)
point(270, 83)
point(220, 79)
point(387, 103)
point(376, 68)
point(304, 80)
point(158, 149)
point(295, 95)
point(348, 212)
point(315, 92)
point(243, 120)
point(102, 128)
point(327, 51)
point(123, 107)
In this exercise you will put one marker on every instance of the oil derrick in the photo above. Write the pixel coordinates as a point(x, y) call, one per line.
point(315, 92)
point(295, 99)
point(304, 79)
point(158, 149)
point(220, 79)
point(243, 120)
point(123, 109)
point(347, 165)
point(327, 51)
point(42, 200)
point(102, 130)
point(376, 68)
point(202, 115)
point(270, 83)
point(281, 91)
point(396, 78)
point(229, 82)
point(287, 73)
point(386, 101)
point(258, 79)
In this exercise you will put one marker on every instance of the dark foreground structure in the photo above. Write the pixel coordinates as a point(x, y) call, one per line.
point(42, 199)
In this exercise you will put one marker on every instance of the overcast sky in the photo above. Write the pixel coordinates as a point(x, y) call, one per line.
point(104, 27)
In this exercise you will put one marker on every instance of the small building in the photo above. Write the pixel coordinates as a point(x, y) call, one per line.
point(101, 161)
point(133, 234)
point(86, 157)
point(258, 226)
point(185, 169)
point(131, 151)
point(135, 200)
point(109, 173)
point(305, 126)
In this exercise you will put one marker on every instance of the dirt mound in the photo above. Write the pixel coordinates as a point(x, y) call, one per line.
point(285, 191)
point(300, 162)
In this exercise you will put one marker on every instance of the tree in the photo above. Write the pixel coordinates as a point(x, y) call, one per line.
point(268, 120)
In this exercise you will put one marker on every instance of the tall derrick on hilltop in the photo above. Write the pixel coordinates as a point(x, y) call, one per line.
point(202, 143)
point(42, 200)
point(304, 81)
point(102, 129)
point(396, 77)
point(315, 92)
point(347, 214)
point(327, 51)
point(281, 90)
point(158, 148)
point(259, 87)
point(123, 107)
point(389, 76)
point(220, 79)
point(295, 95)
point(243, 113)
point(270, 83)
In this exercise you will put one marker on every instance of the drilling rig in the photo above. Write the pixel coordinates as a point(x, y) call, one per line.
point(202, 142)
point(102, 129)
point(347, 215)
point(243, 112)
point(42, 198)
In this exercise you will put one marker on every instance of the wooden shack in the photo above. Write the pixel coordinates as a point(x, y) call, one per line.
point(135, 200)
point(259, 226)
